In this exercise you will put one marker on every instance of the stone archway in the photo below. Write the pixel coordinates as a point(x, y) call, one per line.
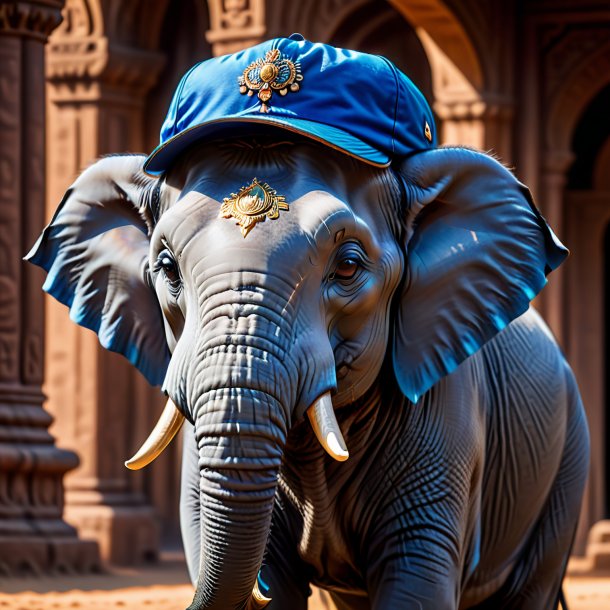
point(567, 93)
point(449, 36)
point(568, 97)
point(586, 209)
point(471, 112)
point(580, 59)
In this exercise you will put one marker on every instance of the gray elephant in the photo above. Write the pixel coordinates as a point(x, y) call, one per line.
point(300, 307)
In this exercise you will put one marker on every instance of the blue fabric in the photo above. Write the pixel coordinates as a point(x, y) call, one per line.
point(358, 103)
point(477, 255)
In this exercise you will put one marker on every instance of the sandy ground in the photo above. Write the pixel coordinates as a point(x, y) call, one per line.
point(165, 587)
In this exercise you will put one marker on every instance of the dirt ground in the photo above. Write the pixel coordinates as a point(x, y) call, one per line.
point(165, 587)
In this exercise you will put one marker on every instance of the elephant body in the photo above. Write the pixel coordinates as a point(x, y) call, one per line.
point(387, 306)
point(394, 530)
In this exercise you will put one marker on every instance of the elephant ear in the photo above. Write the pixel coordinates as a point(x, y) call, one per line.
point(478, 251)
point(95, 251)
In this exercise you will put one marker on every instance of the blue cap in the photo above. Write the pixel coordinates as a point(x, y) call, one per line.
point(357, 103)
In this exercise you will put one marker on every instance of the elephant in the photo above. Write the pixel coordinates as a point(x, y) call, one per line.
point(377, 314)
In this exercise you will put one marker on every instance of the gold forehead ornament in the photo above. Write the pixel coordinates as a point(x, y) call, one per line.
point(252, 204)
point(271, 73)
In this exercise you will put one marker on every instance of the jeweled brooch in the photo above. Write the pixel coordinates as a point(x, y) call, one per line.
point(252, 204)
point(269, 74)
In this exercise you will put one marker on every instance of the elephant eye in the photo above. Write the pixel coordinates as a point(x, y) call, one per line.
point(166, 263)
point(346, 269)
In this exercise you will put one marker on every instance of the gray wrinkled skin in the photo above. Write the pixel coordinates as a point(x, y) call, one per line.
point(467, 499)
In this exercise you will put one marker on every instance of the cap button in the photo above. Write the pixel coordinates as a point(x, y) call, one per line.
point(296, 36)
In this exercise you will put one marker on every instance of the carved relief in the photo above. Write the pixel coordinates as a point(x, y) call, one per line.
point(77, 48)
point(9, 210)
point(18, 493)
point(237, 14)
point(80, 52)
point(235, 24)
point(78, 20)
point(8, 336)
point(566, 49)
point(76, 51)
point(575, 71)
point(45, 492)
point(32, 216)
point(32, 358)
point(4, 494)
point(32, 19)
point(40, 495)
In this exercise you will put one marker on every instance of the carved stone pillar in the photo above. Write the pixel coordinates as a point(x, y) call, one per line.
point(96, 91)
point(461, 123)
point(552, 193)
point(484, 124)
point(498, 124)
point(235, 24)
point(33, 535)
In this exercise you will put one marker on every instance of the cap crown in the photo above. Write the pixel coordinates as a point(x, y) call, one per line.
point(356, 102)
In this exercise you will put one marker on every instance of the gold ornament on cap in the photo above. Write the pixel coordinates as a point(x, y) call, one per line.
point(252, 204)
point(428, 132)
point(269, 74)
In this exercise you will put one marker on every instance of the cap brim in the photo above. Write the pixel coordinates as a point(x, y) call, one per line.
point(161, 158)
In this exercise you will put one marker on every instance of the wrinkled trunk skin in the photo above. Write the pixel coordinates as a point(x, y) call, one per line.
point(237, 496)
point(242, 397)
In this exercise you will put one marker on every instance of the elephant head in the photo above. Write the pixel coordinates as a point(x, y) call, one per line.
point(350, 266)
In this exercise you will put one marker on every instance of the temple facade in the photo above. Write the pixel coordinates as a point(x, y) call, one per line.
point(527, 80)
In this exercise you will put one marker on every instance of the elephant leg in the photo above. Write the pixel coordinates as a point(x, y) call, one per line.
point(403, 588)
point(424, 540)
point(416, 565)
point(284, 575)
point(190, 502)
point(535, 582)
point(415, 558)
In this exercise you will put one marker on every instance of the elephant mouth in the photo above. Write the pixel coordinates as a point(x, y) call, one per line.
point(320, 414)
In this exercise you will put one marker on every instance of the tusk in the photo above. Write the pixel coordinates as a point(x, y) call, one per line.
point(167, 427)
point(324, 423)
point(257, 601)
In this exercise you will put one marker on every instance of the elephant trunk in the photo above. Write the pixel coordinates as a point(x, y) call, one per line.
point(241, 422)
